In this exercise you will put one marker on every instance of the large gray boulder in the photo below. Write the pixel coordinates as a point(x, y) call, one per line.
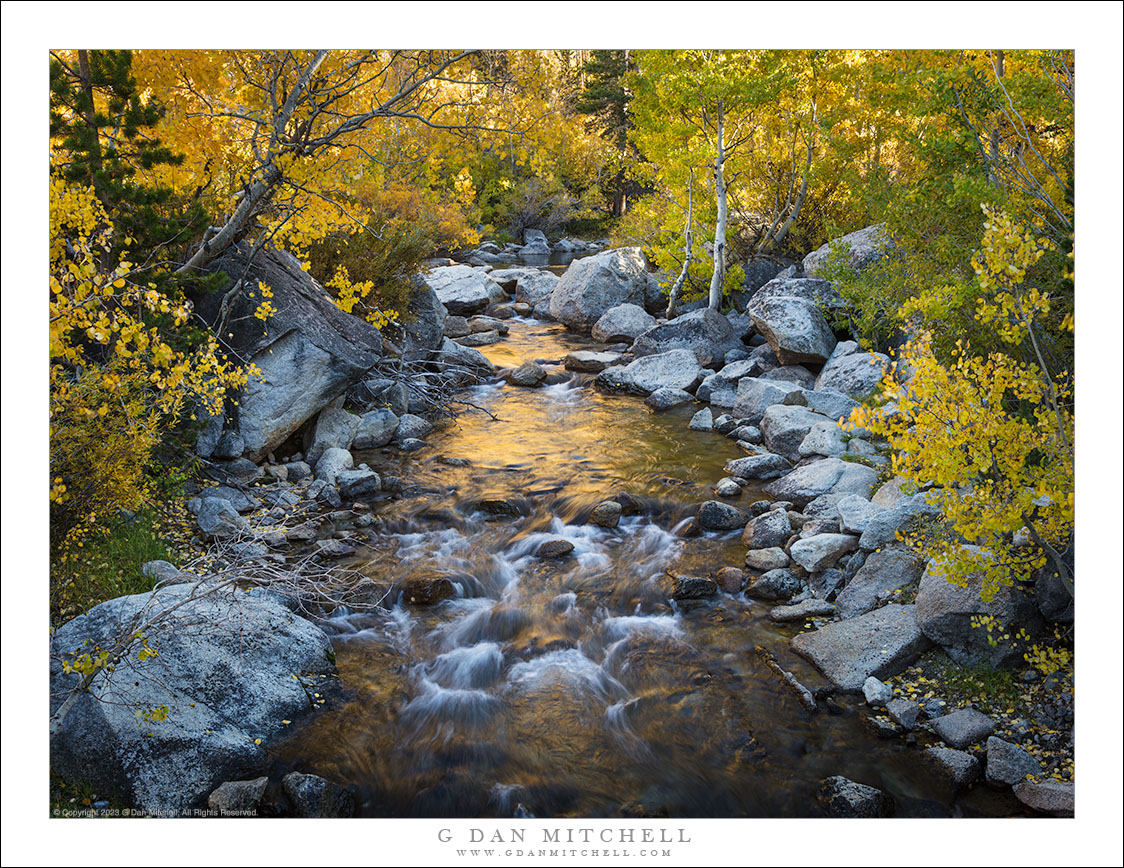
point(223, 673)
point(462, 289)
point(754, 396)
point(881, 574)
point(945, 613)
point(596, 283)
point(881, 643)
point(535, 288)
point(622, 323)
point(826, 476)
point(861, 249)
point(789, 314)
point(704, 332)
point(785, 427)
point(309, 351)
point(677, 368)
point(334, 428)
point(856, 375)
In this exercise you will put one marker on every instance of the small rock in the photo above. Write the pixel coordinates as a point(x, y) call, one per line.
point(358, 484)
point(702, 420)
point(820, 551)
point(313, 796)
point(667, 397)
point(774, 585)
point(555, 548)
point(163, 573)
point(411, 426)
point(959, 767)
point(529, 374)
point(693, 587)
point(841, 797)
point(427, 590)
point(238, 798)
point(629, 504)
point(904, 712)
point(771, 528)
point(802, 611)
point(716, 515)
point(219, 519)
point(298, 471)
point(334, 548)
point(963, 728)
point(606, 514)
point(730, 579)
point(727, 487)
point(1008, 763)
point(766, 560)
point(877, 693)
point(1048, 797)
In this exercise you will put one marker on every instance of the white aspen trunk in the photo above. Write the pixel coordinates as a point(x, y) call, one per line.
point(998, 63)
point(688, 254)
point(719, 275)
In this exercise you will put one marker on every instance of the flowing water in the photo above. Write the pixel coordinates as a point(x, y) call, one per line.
point(574, 687)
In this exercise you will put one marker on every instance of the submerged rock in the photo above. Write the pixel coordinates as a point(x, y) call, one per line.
point(841, 797)
point(313, 796)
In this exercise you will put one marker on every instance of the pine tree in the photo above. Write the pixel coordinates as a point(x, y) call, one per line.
point(606, 100)
point(104, 128)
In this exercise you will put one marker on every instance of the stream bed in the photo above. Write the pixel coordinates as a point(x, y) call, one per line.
point(574, 687)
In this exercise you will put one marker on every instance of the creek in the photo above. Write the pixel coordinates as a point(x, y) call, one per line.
point(575, 687)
